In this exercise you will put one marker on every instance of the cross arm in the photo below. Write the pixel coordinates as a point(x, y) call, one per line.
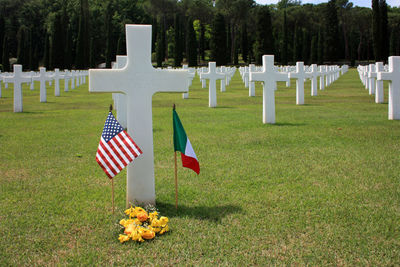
point(107, 81)
point(384, 76)
point(170, 81)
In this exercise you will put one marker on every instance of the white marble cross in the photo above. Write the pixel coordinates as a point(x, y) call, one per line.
point(313, 75)
point(252, 85)
point(42, 78)
point(322, 72)
point(139, 81)
point(379, 96)
point(212, 75)
point(269, 77)
point(300, 77)
point(393, 76)
point(67, 76)
point(32, 85)
point(190, 79)
point(371, 80)
point(17, 79)
point(56, 76)
point(222, 70)
point(203, 81)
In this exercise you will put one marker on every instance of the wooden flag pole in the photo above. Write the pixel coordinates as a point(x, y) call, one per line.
point(112, 190)
point(112, 179)
point(176, 184)
point(176, 178)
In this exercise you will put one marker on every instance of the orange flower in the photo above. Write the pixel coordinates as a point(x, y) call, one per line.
point(142, 216)
point(148, 234)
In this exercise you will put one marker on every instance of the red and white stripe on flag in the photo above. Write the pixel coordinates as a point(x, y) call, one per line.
point(116, 148)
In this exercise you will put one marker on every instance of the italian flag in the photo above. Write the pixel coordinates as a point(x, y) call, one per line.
point(182, 144)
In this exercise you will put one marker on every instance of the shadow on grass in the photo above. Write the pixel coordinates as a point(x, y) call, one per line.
point(287, 124)
point(211, 213)
point(223, 107)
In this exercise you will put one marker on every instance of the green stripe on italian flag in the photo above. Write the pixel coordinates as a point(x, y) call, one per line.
point(182, 144)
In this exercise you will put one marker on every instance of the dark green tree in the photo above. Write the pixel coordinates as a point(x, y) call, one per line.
point(218, 40)
point(384, 32)
point(191, 44)
point(202, 44)
point(21, 46)
point(285, 40)
point(244, 43)
point(83, 41)
point(5, 55)
point(306, 47)
point(68, 49)
point(109, 52)
point(264, 39)
point(314, 50)
point(160, 45)
point(58, 43)
point(2, 34)
point(46, 56)
point(228, 44)
point(320, 48)
point(177, 40)
point(332, 32)
point(376, 29)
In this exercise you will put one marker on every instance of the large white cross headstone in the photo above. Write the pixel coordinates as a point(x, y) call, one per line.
point(56, 76)
point(393, 76)
point(120, 98)
point(269, 77)
point(212, 75)
point(300, 77)
point(371, 80)
point(139, 81)
point(17, 79)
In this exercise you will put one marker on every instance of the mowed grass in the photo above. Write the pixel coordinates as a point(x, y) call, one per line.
point(320, 187)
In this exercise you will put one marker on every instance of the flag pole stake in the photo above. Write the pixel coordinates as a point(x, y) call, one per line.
point(176, 184)
point(176, 177)
point(112, 190)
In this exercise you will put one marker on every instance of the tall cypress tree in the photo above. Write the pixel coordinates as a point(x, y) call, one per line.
point(384, 30)
point(306, 47)
point(191, 44)
point(46, 56)
point(394, 39)
point(376, 29)
point(109, 34)
point(228, 44)
point(68, 48)
point(218, 40)
point(5, 55)
point(21, 46)
point(264, 37)
point(244, 43)
point(202, 41)
point(177, 41)
point(83, 43)
point(154, 36)
point(295, 45)
point(285, 40)
point(160, 45)
point(58, 42)
point(2, 34)
point(30, 50)
point(332, 32)
point(314, 50)
point(320, 49)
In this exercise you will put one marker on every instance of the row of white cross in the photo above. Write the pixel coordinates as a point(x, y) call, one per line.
point(18, 77)
point(373, 75)
point(138, 81)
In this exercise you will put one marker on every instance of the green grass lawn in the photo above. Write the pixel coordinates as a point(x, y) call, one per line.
point(320, 187)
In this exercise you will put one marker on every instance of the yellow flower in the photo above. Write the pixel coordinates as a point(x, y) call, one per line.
point(130, 229)
point(123, 238)
point(165, 229)
point(153, 215)
point(129, 211)
point(163, 221)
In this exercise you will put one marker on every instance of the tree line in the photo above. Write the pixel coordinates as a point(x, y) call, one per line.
point(87, 33)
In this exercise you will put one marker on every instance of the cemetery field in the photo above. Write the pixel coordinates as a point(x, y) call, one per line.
point(320, 187)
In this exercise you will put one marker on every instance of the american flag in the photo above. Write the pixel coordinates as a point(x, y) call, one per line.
point(116, 148)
